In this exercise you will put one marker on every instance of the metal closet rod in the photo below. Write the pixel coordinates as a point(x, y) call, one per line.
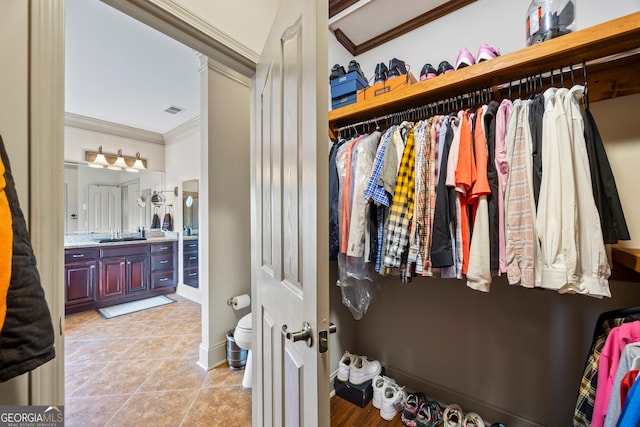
point(531, 80)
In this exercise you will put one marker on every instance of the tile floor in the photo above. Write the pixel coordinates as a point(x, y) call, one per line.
point(140, 370)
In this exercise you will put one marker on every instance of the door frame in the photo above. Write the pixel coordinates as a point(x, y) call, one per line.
point(46, 157)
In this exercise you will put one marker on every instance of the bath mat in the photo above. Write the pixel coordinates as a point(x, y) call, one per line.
point(133, 306)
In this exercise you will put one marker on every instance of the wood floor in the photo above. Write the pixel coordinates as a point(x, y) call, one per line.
point(346, 414)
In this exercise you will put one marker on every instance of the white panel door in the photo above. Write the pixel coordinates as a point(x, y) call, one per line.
point(105, 206)
point(290, 220)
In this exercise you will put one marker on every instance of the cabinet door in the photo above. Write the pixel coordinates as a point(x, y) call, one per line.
point(112, 278)
point(137, 274)
point(80, 279)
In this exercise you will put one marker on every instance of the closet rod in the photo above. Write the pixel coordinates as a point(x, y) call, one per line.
point(478, 93)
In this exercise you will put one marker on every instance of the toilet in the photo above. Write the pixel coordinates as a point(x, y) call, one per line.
point(243, 335)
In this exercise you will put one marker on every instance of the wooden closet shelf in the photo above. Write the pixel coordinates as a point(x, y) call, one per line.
point(627, 257)
point(613, 76)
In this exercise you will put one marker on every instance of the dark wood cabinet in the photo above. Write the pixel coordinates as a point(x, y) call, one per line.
point(164, 257)
point(190, 274)
point(80, 276)
point(113, 274)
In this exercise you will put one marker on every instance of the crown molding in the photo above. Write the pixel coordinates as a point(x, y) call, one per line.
point(183, 130)
point(186, 27)
point(95, 125)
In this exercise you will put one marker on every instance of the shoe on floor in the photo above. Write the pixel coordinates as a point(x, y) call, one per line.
point(380, 383)
point(344, 366)
point(453, 416)
point(428, 72)
point(464, 59)
point(473, 420)
point(363, 370)
point(354, 66)
point(487, 52)
point(337, 71)
point(397, 68)
point(444, 68)
point(410, 408)
point(381, 73)
point(429, 414)
point(392, 401)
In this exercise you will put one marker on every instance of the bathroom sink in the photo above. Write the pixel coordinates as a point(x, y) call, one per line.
point(122, 239)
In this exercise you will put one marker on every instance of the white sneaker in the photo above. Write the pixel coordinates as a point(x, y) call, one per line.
point(344, 366)
point(453, 416)
point(363, 370)
point(473, 420)
point(392, 401)
point(380, 382)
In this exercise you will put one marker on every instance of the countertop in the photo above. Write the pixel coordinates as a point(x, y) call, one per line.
point(88, 241)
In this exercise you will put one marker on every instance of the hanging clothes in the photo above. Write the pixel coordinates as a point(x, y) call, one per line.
point(502, 170)
point(333, 201)
point(630, 353)
point(26, 330)
point(489, 121)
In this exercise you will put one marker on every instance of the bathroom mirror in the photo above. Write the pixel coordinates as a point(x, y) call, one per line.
point(190, 207)
point(97, 200)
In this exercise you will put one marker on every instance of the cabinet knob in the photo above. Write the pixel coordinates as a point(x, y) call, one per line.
point(164, 279)
point(164, 261)
point(193, 258)
point(164, 248)
point(77, 255)
point(192, 274)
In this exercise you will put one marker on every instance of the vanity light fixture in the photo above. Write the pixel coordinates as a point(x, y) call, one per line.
point(115, 161)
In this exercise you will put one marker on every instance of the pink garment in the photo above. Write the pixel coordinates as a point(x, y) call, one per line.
point(502, 168)
point(617, 339)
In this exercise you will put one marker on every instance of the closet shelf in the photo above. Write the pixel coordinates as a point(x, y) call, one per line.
point(611, 49)
point(627, 257)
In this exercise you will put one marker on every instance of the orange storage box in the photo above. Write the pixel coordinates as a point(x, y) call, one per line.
point(387, 86)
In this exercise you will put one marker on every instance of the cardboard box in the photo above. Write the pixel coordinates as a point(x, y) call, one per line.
point(359, 395)
point(387, 86)
point(347, 84)
point(347, 99)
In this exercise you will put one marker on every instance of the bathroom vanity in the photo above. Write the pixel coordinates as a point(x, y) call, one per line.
point(102, 274)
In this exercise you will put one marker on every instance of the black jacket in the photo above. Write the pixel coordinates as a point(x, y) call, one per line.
point(26, 331)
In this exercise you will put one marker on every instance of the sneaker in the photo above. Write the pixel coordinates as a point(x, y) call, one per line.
point(397, 68)
point(473, 420)
point(410, 408)
point(464, 59)
point(429, 414)
point(381, 73)
point(427, 72)
point(337, 71)
point(380, 383)
point(444, 68)
point(453, 416)
point(392, 401)
point(354, 66)
point(344, 366)
point(363, 370)
point(487, 52)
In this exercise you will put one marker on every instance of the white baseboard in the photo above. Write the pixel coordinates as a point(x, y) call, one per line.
point(332, 390)
point(213, 356)
point(445, 395)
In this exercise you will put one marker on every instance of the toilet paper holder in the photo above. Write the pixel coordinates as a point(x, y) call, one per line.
point(239, 302)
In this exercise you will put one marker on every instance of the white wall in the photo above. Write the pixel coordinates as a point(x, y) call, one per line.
point(182, 154)
point(14, 129)
point(513, 355)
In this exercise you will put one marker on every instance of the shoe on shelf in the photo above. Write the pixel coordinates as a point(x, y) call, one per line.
point(397, 68)
point(363, 370)
point(464, 59)
point(380, 383)
point(444, 68)
point(354, 66)
point(428, 72)
point(344, 366)
point(453, 416)
point(337, 71)
point(429, 414)
point(487, 52)
point(381, 73)
point(473, 420)
point(410, 408)
point(392, 401)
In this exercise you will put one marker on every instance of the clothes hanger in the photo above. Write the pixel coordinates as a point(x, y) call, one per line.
point(573, 80)
point(586, 92)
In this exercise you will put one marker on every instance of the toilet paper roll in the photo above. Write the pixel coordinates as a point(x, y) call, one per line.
point(240, 302)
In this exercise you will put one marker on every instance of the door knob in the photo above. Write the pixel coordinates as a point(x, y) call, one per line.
point(302, 335)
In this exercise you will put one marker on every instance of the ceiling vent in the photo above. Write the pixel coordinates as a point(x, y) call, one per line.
point(173, 109)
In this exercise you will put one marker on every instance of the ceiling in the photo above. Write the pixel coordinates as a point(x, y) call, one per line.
point(121, 71)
